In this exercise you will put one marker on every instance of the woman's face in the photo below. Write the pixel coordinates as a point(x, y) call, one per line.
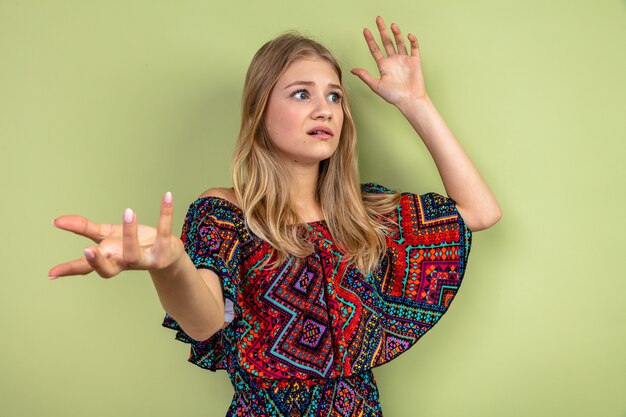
point(304, 115)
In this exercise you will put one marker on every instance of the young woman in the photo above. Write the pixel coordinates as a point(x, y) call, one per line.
point(299, 280)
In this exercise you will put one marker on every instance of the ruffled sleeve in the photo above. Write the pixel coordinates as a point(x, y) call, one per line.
point(427, 254)
point(212, 238)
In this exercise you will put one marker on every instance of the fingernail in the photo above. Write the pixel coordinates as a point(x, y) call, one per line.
point(168, 198)
point(89, 254)
point(128, 216)
point(52, 276)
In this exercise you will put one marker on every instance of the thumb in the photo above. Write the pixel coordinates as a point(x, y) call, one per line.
point(366, 77)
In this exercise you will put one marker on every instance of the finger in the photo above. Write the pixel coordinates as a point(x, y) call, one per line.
point(366, 77)
point(372, 45)
point(78, 266)
point(164, 227)
point(415, 51)
point(84, 227)
point(130, 241)
point(384, 37)
point(99, 263)
point(399, 39)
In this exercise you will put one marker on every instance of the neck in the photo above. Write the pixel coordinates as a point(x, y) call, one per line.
point(303, 192)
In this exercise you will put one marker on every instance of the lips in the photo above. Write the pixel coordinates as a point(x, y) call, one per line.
point(321, 132)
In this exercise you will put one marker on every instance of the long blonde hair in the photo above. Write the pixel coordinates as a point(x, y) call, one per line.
point(262, 186)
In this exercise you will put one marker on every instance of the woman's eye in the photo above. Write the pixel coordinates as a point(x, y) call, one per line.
point(334, 97)
point(300, 95)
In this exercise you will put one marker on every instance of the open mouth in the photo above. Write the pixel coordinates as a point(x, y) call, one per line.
point(321, 132)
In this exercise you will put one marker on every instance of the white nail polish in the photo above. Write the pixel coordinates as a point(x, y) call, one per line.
point(89, 254)
point(168, 198)
point(128, 216)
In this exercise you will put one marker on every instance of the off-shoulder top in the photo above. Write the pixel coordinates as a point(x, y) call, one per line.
point(304, 336)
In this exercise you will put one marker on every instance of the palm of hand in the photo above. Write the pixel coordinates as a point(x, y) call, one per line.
point(112, 246)
point(122, 247)
point(401, 78)
point(152, 256)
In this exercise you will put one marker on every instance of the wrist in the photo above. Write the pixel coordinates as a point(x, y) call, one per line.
point(175, 266)
point(412, 104)
point(423, 117)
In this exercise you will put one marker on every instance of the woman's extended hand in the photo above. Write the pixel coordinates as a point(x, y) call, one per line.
point(122, 247)
point(401, 80)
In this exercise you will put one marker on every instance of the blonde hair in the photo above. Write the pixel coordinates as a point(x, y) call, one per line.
point(262, 186)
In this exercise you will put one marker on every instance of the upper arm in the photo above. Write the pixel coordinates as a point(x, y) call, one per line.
point(211, 235)
point(210, 278)
point(212, 281)
point(476, 221)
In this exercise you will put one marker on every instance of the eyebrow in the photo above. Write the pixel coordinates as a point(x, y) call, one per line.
point(337, 86)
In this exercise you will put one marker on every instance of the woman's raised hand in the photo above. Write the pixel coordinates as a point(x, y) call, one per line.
point(401, 81)
point(124, 246)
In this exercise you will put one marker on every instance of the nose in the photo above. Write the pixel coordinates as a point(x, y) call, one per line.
point(322, 110)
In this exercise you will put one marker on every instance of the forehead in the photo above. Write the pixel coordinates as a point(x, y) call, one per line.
point(314, 69)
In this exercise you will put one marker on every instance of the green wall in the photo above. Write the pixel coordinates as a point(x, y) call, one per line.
point(107, 105)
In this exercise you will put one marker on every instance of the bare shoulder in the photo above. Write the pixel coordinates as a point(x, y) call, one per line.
point(225, 193)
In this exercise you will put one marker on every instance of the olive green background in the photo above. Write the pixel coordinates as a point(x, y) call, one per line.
point(107, 105)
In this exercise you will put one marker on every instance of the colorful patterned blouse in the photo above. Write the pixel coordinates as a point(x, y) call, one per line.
point(306, 335)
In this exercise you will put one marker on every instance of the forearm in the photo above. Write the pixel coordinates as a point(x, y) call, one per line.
point(188, 299)
point(461, 179)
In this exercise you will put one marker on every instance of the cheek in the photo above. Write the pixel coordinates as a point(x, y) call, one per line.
point(340, 121)
point(289, 121)
point(283, 125)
